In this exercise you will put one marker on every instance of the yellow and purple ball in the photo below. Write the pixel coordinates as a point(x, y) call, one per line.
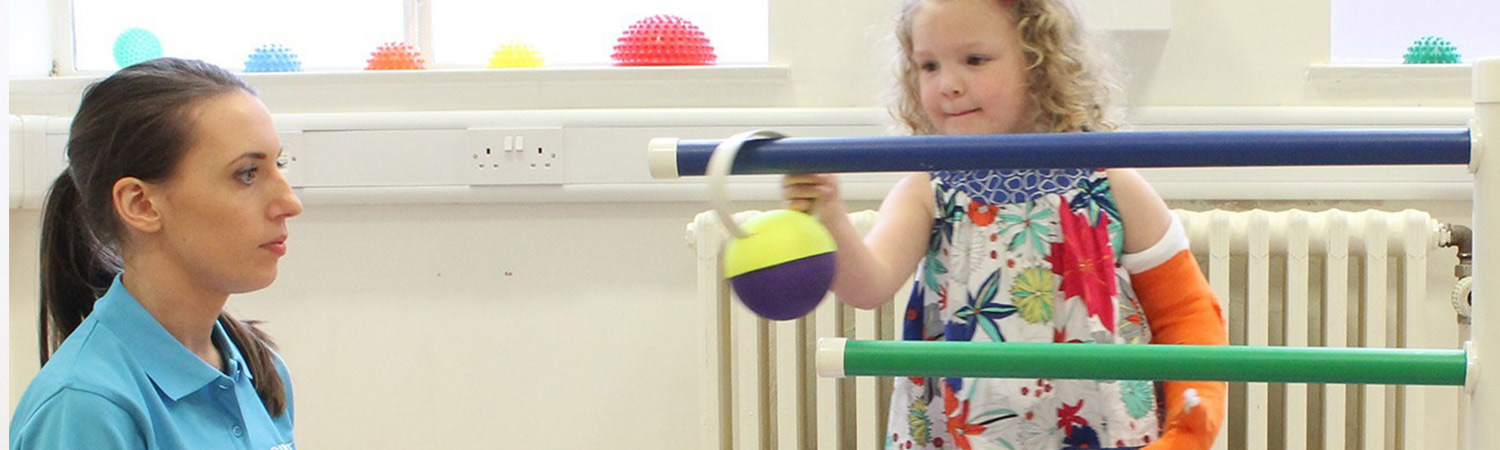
point(784, 267)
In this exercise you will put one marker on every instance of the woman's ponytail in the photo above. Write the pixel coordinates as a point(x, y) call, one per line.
point(76, 269)
point(256, 346)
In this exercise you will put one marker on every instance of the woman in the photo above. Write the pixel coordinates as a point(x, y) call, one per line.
point(172, 200)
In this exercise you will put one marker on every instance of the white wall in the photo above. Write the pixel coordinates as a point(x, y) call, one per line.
point(523, 325)
point(469, 326)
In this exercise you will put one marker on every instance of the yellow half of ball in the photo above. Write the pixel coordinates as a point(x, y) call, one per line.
point(776, 237)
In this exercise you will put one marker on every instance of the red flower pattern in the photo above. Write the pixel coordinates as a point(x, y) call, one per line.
point(1067, 416)
point(958, 418)
point(982, 214)
point(1086, 264)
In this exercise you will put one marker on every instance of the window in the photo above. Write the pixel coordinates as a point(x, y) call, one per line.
point(341, 34)
point(324, 34)
point(465, 33)
point(1381, 30)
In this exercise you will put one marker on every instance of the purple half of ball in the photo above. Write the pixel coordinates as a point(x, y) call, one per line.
point(788, 290)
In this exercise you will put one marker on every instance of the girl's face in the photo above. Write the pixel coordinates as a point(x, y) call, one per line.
point(971, 70)
point(225, 206)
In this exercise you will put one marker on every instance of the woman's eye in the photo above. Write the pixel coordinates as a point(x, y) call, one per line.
point(246, 175)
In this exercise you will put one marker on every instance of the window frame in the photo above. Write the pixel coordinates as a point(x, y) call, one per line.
point(1106, 15)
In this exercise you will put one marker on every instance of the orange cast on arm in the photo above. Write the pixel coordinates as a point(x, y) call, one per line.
point(1182, 309)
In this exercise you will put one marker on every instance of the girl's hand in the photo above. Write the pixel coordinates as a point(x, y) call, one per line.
point(814, 193)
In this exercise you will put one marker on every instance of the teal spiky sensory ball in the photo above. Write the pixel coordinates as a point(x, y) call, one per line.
point(273, 58)
point(1431, 50)
point(136, 45)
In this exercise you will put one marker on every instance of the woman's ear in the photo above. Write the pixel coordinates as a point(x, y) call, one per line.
point(135, 206)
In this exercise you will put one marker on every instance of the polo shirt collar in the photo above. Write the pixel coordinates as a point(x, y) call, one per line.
point(176, 371)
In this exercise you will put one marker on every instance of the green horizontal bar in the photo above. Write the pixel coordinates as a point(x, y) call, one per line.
point(1155, 362)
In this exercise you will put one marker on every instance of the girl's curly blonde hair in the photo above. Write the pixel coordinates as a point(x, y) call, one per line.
point(1070, 82)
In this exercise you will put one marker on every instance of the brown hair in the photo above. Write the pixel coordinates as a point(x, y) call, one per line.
point(132, 124)
point(1070, 82)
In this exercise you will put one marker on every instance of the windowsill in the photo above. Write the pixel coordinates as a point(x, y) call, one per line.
point(1393, 70)
point(589, 73)
point(1392, 84)
point(470, 89)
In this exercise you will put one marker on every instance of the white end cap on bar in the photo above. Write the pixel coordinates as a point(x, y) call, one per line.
point(663, 158)
point(1476, 146)
point(1471, 367)
point(831, 357)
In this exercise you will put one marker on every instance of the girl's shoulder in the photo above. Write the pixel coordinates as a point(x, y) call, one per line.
point(913, 190)
point(1143, 213)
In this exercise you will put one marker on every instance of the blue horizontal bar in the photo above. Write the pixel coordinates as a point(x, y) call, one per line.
point(1088, 150)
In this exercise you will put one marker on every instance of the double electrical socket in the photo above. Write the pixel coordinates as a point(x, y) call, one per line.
point(500, 156)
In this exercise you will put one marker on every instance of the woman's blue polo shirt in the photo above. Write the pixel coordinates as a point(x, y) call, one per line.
point(120, 381)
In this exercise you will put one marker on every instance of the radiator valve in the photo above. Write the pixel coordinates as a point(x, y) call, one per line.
point(1463, 298)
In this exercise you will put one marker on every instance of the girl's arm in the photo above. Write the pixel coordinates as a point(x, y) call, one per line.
point(870, 270)
point(1143, 213)
point(1179, 305)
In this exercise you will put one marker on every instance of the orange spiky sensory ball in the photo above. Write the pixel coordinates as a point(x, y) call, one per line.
point(396, 56)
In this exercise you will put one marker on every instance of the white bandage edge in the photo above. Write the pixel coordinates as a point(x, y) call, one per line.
point(1171, 243)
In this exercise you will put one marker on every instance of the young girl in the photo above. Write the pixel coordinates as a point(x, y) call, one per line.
point(1065, 255)
point(172, 201)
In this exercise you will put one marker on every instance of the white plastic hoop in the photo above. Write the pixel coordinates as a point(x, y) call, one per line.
point(719, 164)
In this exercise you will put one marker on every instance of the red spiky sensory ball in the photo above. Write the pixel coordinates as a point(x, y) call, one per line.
point(663, 40)
point(396, 56)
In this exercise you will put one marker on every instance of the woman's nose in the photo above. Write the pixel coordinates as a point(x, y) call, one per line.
point(286, 204)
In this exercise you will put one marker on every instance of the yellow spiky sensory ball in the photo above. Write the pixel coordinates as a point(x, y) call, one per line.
point(515, 55)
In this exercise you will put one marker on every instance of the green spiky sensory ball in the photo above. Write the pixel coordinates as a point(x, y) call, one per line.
point(1432, 50)
point(136, 45)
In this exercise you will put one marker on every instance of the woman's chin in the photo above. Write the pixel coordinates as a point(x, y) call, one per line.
point(256, 281)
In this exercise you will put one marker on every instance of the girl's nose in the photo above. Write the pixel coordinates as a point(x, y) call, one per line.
point(951, 85)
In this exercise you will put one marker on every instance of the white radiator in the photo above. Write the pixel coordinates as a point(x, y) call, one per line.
point(1296, 278)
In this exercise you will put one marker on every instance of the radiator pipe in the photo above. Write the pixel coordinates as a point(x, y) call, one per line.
point(1462, 238)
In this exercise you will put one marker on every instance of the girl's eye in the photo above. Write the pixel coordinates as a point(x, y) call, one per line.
point(975, 60)
point(246, 175)
point(928, 66)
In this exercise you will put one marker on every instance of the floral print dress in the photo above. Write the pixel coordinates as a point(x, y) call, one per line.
point(1023, 256)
